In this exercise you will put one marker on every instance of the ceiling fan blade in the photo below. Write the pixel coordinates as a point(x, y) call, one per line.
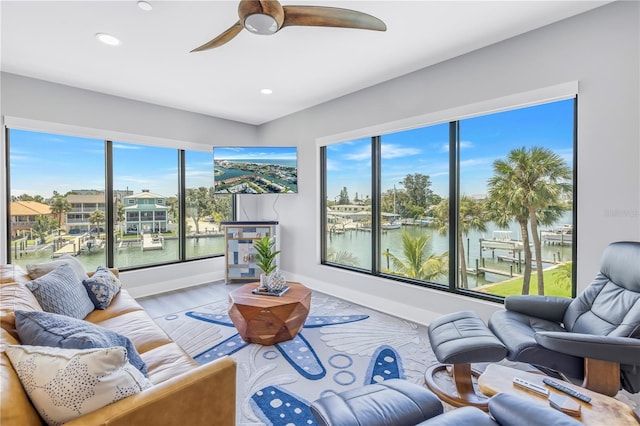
point(222, 38)
point(320, 16)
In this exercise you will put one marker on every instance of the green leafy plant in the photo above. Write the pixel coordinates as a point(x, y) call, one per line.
point(265, 254)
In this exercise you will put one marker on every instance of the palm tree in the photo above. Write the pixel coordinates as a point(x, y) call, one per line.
point(472, 218)
point(501, 210)
point(416, 264)
point(342, 257)
point(42, 228)
point(533, 181)
point(59, 206)
point(96, 218)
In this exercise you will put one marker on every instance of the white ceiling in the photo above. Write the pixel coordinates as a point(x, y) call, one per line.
point(304, 66)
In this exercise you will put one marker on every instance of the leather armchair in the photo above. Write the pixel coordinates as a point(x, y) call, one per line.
point(594, 337)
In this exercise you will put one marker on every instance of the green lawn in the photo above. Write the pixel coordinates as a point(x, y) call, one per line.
point(514, 286)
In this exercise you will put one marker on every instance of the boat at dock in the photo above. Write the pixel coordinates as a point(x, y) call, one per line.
point(562, 235)
point(501, 241)
point(150, 242)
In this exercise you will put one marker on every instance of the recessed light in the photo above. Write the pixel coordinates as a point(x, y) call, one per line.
point(266, 91)
point(108, 39)
point(145, 6)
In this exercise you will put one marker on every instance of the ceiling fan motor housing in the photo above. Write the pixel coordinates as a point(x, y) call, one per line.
point(261, 17)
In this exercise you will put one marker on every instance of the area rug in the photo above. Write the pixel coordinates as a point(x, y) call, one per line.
point(342, 346)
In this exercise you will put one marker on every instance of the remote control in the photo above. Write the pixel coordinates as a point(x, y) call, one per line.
point(568, 391)
point(530, 386)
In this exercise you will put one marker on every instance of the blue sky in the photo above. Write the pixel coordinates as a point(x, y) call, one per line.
point(425, 150)
point(256, 153)
point(42, 163)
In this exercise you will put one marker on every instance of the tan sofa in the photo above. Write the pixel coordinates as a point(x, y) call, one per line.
point(183, 392)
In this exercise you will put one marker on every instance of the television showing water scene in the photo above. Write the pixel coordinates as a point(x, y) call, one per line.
point(255, 170)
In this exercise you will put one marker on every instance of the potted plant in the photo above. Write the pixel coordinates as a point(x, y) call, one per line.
point(266, 258)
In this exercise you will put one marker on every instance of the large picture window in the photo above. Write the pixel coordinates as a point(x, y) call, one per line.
point(59, 202)
point(482, 205)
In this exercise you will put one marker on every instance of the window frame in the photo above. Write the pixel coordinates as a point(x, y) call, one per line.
point(546, 95)
point(108, 137)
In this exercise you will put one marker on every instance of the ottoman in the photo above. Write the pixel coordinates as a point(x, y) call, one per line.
point(459, 339)
point(391, 402)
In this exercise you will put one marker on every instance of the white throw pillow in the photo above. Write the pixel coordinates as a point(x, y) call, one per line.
point(36, 270)
point(66, 383)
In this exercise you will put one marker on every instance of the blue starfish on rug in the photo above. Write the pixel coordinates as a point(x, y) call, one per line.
point(297, 351)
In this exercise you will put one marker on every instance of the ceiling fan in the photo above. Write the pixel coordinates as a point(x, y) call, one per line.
point(267, 17)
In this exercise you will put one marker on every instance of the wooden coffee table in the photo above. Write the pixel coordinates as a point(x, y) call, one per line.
point(603, 410)
point(266, 319)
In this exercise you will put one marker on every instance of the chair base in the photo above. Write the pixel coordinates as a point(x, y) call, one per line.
point(463, 376)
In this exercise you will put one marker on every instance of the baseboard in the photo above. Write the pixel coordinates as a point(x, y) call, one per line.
point(175, 284)
point(397, 309)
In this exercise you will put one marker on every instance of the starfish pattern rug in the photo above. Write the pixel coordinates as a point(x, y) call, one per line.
point(341, 346)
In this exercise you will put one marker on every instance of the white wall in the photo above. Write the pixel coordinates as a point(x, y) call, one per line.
point(600, 49)
point(86, 113)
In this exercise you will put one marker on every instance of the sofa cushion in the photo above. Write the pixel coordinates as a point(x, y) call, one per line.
point(140, 328)
point(15, 406)
point(47, 329)
point(61, 292)
point(66, 383)
point(167, 361)
point(38, 270)
point(101, 287)
point(121, 304)
point(15, 296)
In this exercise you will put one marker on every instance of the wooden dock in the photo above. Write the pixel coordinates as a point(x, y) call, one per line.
point(72, 247)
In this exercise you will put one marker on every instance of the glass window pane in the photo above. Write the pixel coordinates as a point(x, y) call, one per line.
point(57, 198)
point(204, 209)
point(516, 166)
point(348, 185)
point(414, 183)
point(146, 231)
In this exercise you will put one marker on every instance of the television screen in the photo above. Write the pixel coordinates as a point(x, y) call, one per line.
point(255, 170)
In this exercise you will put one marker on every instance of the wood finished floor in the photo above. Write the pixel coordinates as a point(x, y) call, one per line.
point(179, 300)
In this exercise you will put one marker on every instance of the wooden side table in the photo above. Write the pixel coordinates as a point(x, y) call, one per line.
point(603, 410)
point(266, 319)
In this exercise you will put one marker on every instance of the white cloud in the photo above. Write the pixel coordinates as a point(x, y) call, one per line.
point(463, 145)
point(125, 146)
point(390, 150)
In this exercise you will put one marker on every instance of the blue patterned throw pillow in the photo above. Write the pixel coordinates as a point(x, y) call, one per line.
point(61, 292)
point(46, 329)
point(102, 287)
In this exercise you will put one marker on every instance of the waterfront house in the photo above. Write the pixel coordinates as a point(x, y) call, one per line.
point(145, 212)
point(24, 214)
point(83, 203)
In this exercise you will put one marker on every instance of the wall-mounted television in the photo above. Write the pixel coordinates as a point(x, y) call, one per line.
point(255, 170)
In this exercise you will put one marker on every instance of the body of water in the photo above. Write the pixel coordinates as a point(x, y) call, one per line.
point(358, 242)
point(133, 255)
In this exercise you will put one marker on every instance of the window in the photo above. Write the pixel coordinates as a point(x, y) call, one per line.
point(145, 174)
point(509, 228)
point(204, 210)
point(71, 214)
point(413, 173)
point(52, 217)
point(348, 204)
